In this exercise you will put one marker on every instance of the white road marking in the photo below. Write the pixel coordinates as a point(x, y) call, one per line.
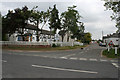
point(103, 60)
point(62, 69)
point(73, 58)
point(69, 55)
point(34, 55)
point(88, 49)
point(101, 53)
point(83, 59)
point(113, 60)
point(93, 59)
point(3, 61)
point(116, 65)
point(44, 56)
point(63, 57)
point(54, 57)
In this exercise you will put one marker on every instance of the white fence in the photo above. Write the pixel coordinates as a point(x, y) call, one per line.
point(39, 43)
point(23, 43)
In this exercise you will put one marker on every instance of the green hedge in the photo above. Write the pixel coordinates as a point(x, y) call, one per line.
point(111, 53)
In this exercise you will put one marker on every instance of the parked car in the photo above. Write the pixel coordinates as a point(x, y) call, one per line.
point(102, 44)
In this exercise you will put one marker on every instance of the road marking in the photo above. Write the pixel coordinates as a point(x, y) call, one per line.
point(113, 60)
point(69, 55)
point(73, 58)
point(3, 61)
point(115, 64)
point(54, 57)
point(63, 57)
point(88, 49)
point(103, 60)
point(93, 59)
point(83, 59)
point(62, 69)
point(101, 53)
point(34, 55)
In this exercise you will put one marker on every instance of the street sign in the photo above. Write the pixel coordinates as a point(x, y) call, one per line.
point(111, 43)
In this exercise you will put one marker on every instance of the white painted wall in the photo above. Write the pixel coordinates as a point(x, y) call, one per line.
point(13, 37)
point(34, 38)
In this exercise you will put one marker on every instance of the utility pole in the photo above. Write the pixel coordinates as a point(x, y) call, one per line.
point(102, 35)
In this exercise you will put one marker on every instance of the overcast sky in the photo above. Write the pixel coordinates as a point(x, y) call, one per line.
point(93, 12)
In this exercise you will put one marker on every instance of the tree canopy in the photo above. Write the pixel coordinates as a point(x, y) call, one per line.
point(115, 7)
point(54, 20)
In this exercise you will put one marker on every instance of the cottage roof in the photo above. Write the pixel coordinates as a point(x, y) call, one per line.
point(33, 27)
point(114, 35)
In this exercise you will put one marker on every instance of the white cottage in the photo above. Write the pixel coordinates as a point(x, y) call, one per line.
point(30, 35)
point(114, 38)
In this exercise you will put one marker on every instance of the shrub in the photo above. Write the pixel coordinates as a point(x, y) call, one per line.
point(54, 45)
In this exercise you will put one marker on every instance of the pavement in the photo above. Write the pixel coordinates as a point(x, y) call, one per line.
point(78, 63)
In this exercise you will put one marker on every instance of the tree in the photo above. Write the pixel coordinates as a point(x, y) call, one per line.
point(87, 38)
point(38, 17)
point(115, 7)
point(80, 32)
point(15, 20)
point(54, 20)
point(70, 21)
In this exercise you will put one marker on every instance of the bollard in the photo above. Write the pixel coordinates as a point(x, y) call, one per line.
point(115, 50)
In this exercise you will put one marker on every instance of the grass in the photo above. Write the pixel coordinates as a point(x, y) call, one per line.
point(111, 53)
point(42, 49)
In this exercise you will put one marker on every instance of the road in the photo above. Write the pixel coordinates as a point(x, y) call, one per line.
point(78, 63)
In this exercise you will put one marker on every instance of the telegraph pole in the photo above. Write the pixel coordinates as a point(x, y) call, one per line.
point(102, 35)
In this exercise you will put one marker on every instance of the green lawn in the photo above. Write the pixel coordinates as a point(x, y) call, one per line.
point(42, 49)
point(111, 53)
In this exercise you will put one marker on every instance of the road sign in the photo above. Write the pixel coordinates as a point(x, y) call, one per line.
point(111, 43)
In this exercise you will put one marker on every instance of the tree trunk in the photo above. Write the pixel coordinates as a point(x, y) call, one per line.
point(62, 38)
point(68, 39)
point(50, 36)
point(37, 31)
point(22, 34)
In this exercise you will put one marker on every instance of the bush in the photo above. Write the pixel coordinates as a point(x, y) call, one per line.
point(111, 53)
point(54, 45)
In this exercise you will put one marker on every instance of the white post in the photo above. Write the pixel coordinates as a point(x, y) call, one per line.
point(72, 44)
point(115, 50)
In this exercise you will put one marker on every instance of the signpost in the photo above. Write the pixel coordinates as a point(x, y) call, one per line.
point(110, 44)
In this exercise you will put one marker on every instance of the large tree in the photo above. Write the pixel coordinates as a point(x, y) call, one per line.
point(87, 38)
point(70, 21)
point(15, 20)
point(54, 20)
point(115, 7)
point(38, 17)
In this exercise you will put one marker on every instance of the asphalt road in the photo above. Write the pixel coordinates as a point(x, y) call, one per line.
point(79, 63)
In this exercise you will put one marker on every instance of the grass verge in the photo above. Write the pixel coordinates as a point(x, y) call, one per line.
point(42, 49)
point(111, 53)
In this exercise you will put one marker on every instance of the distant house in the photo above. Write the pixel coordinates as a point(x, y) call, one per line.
point(114, 38)
point(30, 35)
point(65, 36)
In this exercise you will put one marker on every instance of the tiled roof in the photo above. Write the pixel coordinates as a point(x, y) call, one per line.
point(33, 27)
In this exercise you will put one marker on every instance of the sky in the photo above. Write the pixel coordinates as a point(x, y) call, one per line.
point(94, 15)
